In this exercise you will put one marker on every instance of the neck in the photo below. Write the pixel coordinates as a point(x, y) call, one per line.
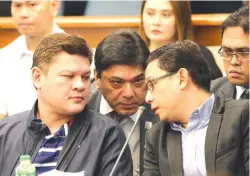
point(157, 44)
point(53, 120)
point(191, 103)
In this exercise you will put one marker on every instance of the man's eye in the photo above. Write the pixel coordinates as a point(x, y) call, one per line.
point(17, 5)
point(86, 78)
point(139, 82)
point(68, 76)
point(116, 83)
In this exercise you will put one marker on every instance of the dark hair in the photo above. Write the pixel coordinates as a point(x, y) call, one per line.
point(53, 44)
point(123, 47)
point(239, 18)
point(183, 54)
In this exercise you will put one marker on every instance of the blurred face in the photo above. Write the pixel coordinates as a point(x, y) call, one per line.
point(123, 87)
point(164, 95)
point(65, 88)
point(237, 70)
point(34, 18)
point(159, 21)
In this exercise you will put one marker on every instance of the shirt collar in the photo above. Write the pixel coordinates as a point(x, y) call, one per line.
point(200, 117)
point(105, 108)
point(239, 91)
point(23, 47)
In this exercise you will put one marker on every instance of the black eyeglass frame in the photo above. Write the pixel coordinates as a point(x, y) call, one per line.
point(150, 83)
point(238, 55)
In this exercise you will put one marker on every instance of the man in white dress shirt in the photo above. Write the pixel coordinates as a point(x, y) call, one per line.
point(34, 20)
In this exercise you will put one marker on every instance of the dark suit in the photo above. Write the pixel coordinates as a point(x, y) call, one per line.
point(147, 116)
point(223, 88)
point(226, 143)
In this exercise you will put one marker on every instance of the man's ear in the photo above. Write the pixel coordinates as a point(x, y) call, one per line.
point(97, 79)
point(55, 6)
point(36, 77)
point(183, 78)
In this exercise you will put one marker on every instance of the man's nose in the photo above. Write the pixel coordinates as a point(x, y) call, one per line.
point(79, 84)
point(128, 90)
point(148, 97)
point(24, 12)
point(235, 60)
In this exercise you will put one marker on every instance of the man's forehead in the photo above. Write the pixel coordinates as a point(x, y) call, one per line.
point(30, 1)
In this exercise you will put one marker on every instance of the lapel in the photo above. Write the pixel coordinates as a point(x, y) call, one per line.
point(212, 135)
point(75, 136)
point(95, 100)
point(174, 151)
point(228, 90)
point(147, 119)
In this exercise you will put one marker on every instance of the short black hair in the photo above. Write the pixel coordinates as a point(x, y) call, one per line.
point(124, 47)
point(239, 18)
point(183, 54)
point(53, 44)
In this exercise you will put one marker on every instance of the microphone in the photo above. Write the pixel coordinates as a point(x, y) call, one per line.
point(139, 113)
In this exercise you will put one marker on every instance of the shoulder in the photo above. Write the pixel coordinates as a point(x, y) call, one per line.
point(13, 45)
point(237, 107)
point(235, 112)
point(14, 122)
point(107, 127)
point(94, 100)
point(102, 121)
point(12, 50)
point(218, 83)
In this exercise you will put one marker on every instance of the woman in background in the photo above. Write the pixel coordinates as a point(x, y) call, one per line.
point(164, 22)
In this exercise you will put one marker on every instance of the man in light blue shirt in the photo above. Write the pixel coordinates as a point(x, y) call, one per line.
point(199, 134)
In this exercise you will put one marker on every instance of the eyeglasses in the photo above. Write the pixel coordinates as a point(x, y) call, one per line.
point(150, 83)
point(228, 55)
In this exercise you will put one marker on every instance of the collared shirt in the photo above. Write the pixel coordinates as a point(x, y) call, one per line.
point(193, 139)
point(17, 92)
point(239, 91)
point(48, 155)
point(126, 125)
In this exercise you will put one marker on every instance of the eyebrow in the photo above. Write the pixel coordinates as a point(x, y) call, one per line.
point(141, 75)
point(71, 71)
point(238, 48)
point(165, 10)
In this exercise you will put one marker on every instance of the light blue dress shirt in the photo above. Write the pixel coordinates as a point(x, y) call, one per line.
point(193, 139)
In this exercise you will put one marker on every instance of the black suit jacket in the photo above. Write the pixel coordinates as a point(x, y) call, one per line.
point(226, 144)
point(147, 116)
point(223, 88)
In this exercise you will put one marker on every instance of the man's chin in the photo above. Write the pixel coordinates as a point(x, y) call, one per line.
point(239, 82)
point(126, 112)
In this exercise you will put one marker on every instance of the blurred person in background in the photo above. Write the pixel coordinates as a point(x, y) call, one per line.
point(34, 20)
point(164, 22)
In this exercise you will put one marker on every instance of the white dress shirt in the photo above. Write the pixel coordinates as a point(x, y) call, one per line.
point(239, 92)
point(17, 92)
